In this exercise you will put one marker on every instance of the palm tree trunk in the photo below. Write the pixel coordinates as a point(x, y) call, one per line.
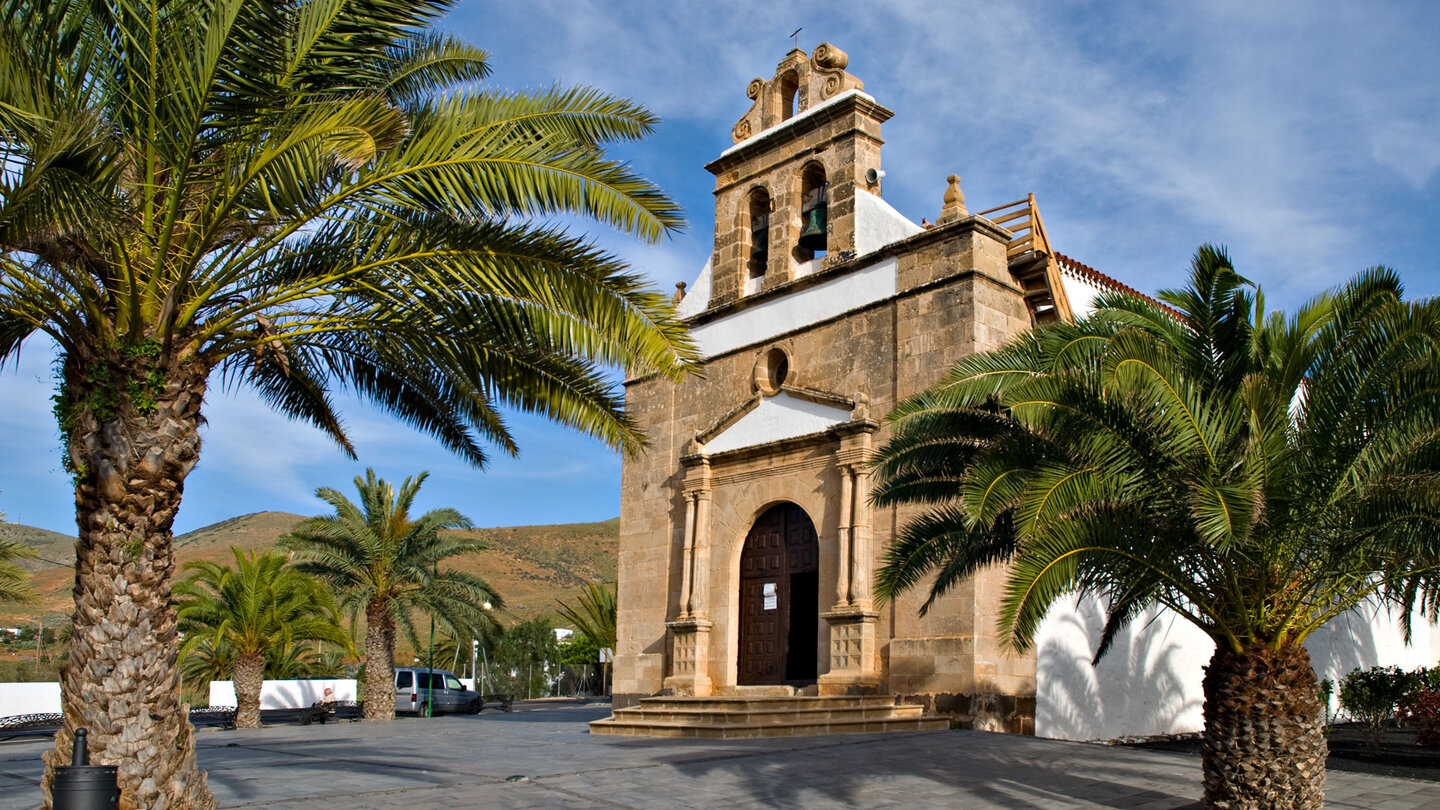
point(249, 679)
point(121, 682)
point(1263, 745)
point(379, 664)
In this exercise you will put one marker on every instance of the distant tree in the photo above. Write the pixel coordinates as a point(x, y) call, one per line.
point(252, 617)
point(594, 617)
point(1256, 474)
point(526, 656)
point(384, 564)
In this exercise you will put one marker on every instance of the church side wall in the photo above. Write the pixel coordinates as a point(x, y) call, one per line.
point(962, 301)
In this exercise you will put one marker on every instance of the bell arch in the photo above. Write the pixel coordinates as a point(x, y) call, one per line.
point(814, 232)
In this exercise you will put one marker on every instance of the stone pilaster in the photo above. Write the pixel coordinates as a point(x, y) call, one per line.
point(690, 632)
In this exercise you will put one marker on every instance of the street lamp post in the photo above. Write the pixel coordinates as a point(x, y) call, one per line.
point(430, 667)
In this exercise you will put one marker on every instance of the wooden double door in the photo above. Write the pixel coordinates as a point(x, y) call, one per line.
point(779, 599)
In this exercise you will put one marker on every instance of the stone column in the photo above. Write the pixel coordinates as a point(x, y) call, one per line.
point(842, 578)
point(861, 558)
point(700, 577)
point(690, 632)
point(687, 555)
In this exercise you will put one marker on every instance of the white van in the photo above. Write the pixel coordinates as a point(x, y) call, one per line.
point(416, 686)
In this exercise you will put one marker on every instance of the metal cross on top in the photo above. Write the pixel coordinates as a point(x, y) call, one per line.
point(796, 35)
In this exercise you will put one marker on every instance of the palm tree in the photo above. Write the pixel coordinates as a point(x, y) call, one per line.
point(1256, 474)
point(386, 565)
point(594, 616)
point(13, 578)
point(292, 197)
point(253, 615)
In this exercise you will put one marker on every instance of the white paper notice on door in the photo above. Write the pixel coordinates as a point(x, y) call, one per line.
point(772, 601)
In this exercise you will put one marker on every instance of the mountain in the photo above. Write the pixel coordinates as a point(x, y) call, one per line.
point(53, 548)
point(531, 567)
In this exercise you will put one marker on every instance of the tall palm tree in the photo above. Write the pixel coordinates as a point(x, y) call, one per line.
point(252, 616)
point(385, 564)
point(1256, 474)
point(289, 197)
point(593, 615)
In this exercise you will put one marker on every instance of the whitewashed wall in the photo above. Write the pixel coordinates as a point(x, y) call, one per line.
point(29, 698)
point(286, 694)
point(1149, 682)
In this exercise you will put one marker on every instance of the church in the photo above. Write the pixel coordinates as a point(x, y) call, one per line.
point(748, 543)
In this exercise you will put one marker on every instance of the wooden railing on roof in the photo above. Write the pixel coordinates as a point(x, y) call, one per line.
point(1031, 259)
point(1021, 218)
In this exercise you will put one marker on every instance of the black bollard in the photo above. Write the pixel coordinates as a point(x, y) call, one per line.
point(82, 786)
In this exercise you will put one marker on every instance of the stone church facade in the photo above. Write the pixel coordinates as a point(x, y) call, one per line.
point(748, 544)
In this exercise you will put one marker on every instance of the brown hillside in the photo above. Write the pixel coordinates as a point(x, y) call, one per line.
point(532, 567)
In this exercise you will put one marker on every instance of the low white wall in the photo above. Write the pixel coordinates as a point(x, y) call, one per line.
point(29, 698)
point(287, 694)
point(1150, 681)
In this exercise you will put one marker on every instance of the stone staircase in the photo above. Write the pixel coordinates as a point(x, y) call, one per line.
point(740, 717)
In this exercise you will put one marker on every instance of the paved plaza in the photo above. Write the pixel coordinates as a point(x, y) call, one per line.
point(541, 756)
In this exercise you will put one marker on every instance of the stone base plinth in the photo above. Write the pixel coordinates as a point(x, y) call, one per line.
point(689, 658)
point(852, 653)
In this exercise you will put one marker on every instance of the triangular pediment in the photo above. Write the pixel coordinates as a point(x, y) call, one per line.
point(786, 415)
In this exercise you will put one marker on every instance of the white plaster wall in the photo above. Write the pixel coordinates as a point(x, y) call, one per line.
point(697, 295)
point(780, 315)
point(779, 417)
point(29, 698)
point(1081, 294)
point(1150, 681)
point(287, 694)
point(877, 224)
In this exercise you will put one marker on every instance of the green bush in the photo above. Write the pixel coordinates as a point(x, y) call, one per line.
point(1370, 696)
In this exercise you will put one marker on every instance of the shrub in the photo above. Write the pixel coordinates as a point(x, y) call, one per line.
point(1370, 696)
point(1327, 691)
point(1422, 708)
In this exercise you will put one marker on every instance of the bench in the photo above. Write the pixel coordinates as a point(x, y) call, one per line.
point(45, 725)
point(30, 725)
point(322, 710)
point(222, 716)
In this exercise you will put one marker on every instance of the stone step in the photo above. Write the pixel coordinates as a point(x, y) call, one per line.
point(732, 704)
point(735, 731)
point(773, 716)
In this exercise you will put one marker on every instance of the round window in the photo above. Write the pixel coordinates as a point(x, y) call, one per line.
point(772, 370)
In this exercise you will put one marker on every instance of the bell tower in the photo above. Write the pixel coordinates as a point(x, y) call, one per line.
point(785, 192)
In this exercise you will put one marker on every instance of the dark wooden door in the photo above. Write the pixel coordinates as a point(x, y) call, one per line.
point(779, 596)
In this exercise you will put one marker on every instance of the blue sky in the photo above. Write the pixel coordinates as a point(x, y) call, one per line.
point(1303, 136)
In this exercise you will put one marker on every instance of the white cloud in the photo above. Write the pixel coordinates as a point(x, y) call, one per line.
point(1305, 136)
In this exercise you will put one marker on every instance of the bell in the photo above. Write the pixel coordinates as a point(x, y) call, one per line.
point(812, 236)
point(759, 253)
point(759, 241)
